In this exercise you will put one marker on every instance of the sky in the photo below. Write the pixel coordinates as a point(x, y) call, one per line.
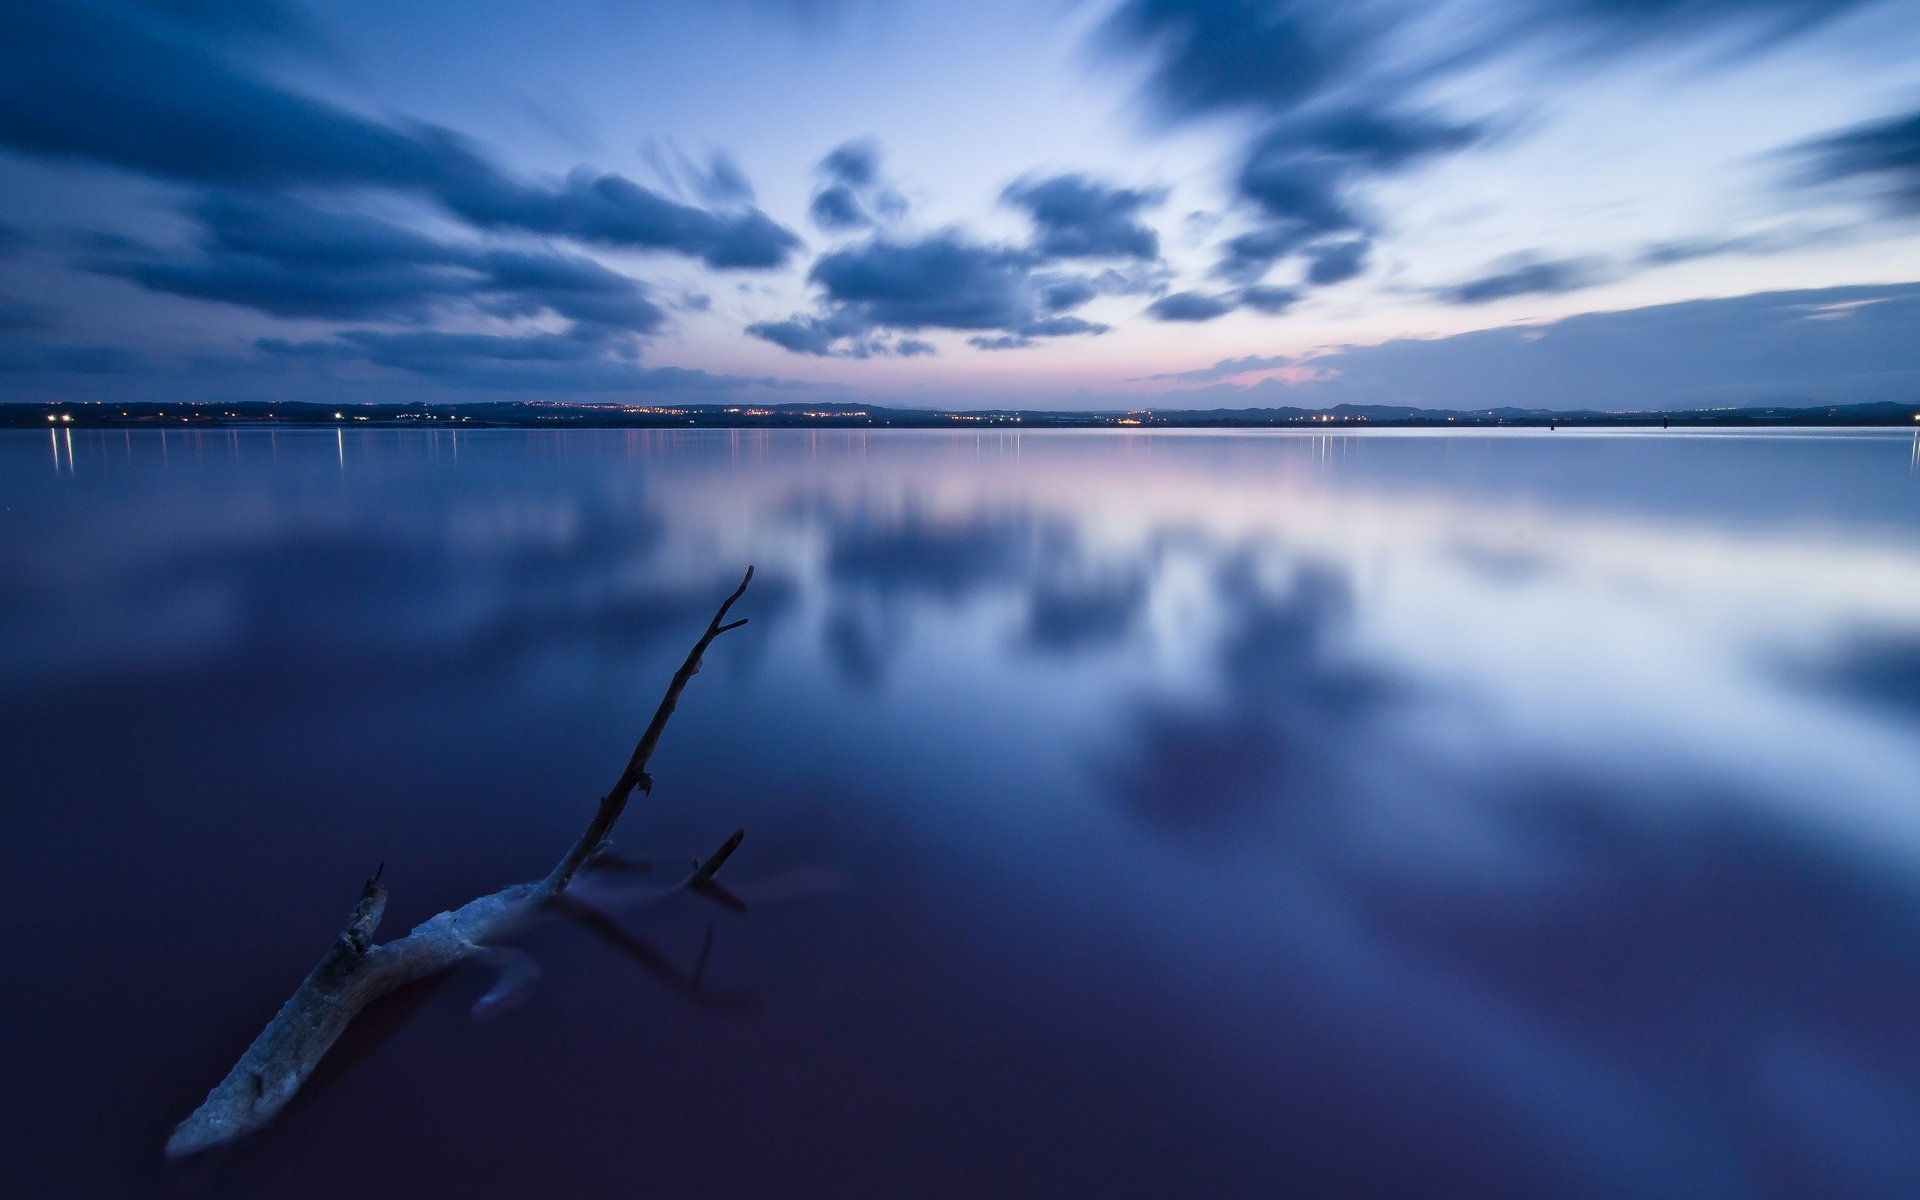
point(1143, 203)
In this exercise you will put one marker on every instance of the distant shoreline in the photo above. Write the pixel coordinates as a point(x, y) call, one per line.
point(541, 415)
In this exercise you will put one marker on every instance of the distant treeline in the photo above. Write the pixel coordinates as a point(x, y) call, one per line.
point(541, 414)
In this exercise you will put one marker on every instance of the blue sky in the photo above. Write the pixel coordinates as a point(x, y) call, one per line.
point(1181, 203)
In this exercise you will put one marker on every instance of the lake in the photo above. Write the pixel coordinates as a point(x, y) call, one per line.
point(1494, 813)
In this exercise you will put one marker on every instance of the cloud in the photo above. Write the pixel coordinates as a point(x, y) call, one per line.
point(719, 182)
point(85, 82)
point(1068, 293)
point(1302, 176)
point(1884, 154)
point(838, 333)
point(1004, 341)
point(1336, 114)
point(1269, 300)
point(291, 259)
point(1344, 95)
point(855, 163)
point(577, 288)
point(1247, 257)
point(944, 280)
point(1336, 262)
point(1078, 217)
point(1227, 368)
point(1189, 306)
point(612, 210)
point(1826, 346)
point(1780, 241)
point(1213, 55)
point(836, 210)
point(1301, 170)
point(1526, 277)
point(853, 196)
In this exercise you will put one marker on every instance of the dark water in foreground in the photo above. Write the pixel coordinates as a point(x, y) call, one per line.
point(1402, 815)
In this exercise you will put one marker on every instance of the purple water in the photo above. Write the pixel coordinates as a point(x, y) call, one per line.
point(1492, 814)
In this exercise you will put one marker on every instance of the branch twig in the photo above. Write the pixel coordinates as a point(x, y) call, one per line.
point(355, 972)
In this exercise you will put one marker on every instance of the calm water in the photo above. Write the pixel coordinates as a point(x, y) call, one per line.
point(1398, 815)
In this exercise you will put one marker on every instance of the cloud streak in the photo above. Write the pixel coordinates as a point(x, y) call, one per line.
point(83, 82)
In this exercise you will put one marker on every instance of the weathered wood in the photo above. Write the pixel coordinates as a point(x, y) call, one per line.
point(355, 971)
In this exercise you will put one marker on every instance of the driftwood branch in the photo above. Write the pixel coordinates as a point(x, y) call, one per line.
point(355, 971)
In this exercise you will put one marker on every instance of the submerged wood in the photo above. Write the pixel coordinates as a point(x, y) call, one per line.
point(355, 971)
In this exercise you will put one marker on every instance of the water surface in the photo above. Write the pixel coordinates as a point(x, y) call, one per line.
point(1408, 814)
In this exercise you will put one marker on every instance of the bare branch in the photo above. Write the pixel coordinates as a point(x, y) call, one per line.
point(354, 971)
point(635, 775)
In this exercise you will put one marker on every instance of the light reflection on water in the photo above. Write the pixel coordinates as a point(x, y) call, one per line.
point(1395, 814)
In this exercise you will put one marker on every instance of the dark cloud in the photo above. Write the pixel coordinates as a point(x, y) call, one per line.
point(1336, 262)
point(612, 210)
point(1189, 306)
point(1302, 169)
point(577, 288)
point(1068, 293)
point(815, 335)
point(941, 281)
point(855, 163)
point(837, 210)
point(1882, 154)
point(1210, 55)
point(1078, 217)
point(853, 195)
point(1527, 277)
point(83, 82)
point(1303, 177)
point(1342, 94)
point(1004, 341)
point(838, 333)
point(292, 259)
point(1336, 114)
point(1269, 300)
point(1248, 256)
